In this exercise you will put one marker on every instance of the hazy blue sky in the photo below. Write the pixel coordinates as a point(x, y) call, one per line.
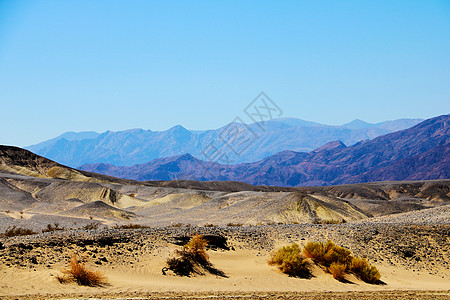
point(99, 65)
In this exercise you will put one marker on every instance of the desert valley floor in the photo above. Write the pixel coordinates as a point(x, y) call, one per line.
point(402, 228)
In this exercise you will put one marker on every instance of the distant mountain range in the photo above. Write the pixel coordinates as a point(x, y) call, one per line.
point(240, 143)
point(418, 153)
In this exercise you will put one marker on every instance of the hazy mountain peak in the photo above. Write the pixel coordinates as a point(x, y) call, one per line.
point(178, 129)
point(253, 142)
point(358, 124)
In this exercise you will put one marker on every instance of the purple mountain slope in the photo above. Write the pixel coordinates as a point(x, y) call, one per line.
point(420, 152)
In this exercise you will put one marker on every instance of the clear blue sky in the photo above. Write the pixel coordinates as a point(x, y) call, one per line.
point(114, 65)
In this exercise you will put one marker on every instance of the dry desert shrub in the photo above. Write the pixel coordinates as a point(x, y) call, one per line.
point(334, 259)
point(289, 260)
point(129, 226)
point(364, 271)
point(79, 273)
point(326, 253)
point(234, 224)
point(192, 259)
point(90, 226)
point(54, 227)
point(197, 248)
point(338, 270)
point(17, 231)
point(328, 222)
point(192, 256)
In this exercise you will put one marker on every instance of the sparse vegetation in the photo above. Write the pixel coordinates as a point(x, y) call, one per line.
point(336, 260)
point(54, 227)
point(327, 222)
point(364, 271)
point(209, 225)
point(192, 258)
point(129, 226)
point(326, 253)
point(91, 226)
point(79, 273)
point(234, 224)
point(17, 231)
point(290, 260)
point(177, 225)
point(338, 270)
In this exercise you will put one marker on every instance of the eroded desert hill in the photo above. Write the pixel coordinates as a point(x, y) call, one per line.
point(31, 195)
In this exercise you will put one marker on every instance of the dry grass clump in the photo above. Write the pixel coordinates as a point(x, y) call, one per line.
point(336, 260)
point(77, 272)
point(129, 226)
point(17, 231)
point(192, 259)
point(235, 224)
point(338, 270)
point(364, 271)
point(90, 226)
point(197, 249)
point(327, 253)
point(54, 227)
point(290, 260)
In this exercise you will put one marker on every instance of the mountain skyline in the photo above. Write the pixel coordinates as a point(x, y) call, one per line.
point(230, 144)
point(418, 153)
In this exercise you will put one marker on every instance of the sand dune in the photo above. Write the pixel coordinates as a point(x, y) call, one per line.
point(132, 260)
point(402, 228)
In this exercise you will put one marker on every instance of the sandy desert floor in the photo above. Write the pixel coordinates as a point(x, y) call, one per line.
point(413, 261)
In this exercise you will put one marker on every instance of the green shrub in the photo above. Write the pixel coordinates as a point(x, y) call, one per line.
point(290, 260)
point(364, 271)
point(338, 270)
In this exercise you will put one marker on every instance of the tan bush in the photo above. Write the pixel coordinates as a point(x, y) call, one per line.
point(196, 248)
point(364, 271)
point(235, 224)
point(327, 253)
point(338, 270)
point(289, 260)
point(191, 258)
point(77, 272)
